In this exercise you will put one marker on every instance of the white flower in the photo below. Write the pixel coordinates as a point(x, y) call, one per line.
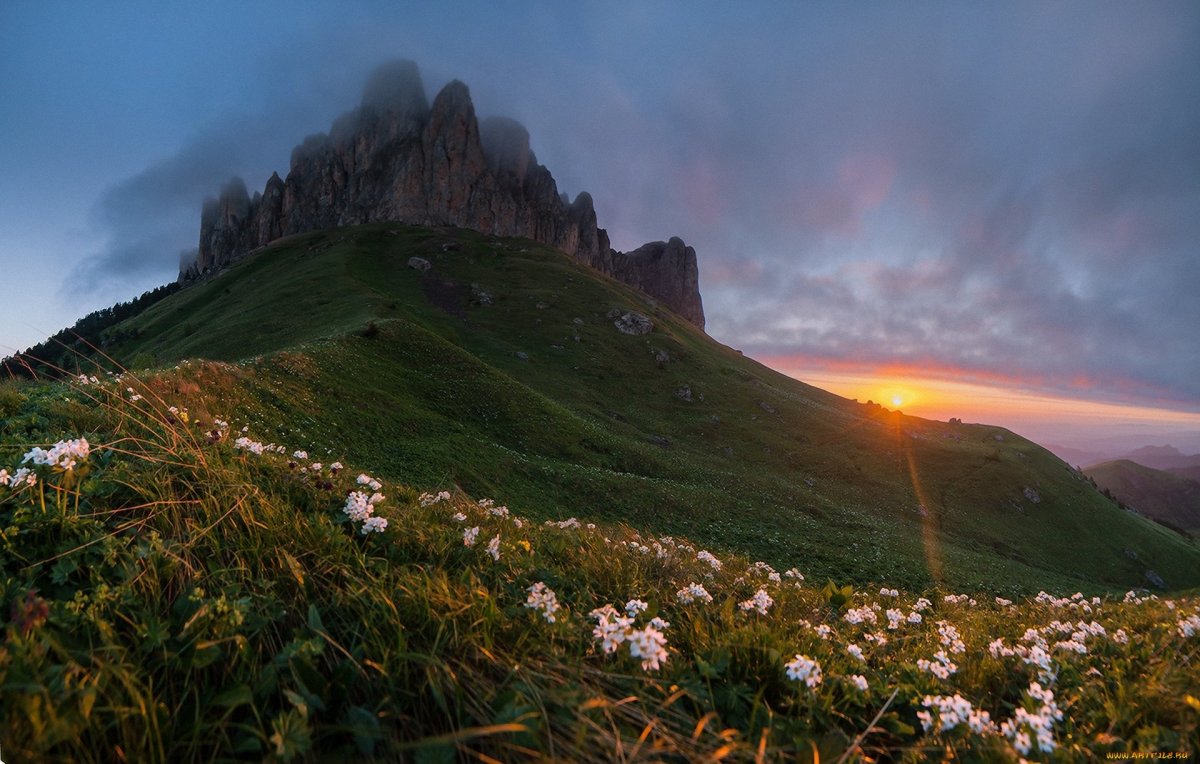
point(693, 592)
point(761, 601)
point(856, 651)
point(543, 598)
point(611, 628)
point(650, 645)
point(659, 623)
point(469, 536)
point(889, 592)
point(63, 455)
point(633, 607)
point(299, 454)
point(823, 631)
point(493, 547)
point(358, 506)
point(914, 617)
point(377, 524)
point(793, 573)
point(704, 556)
point(1120, 637)
point(859, 681)
point(458, 517)
point(1003, 602)
point(804, 669)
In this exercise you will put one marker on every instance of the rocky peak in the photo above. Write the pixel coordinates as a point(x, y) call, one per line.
point(506, 148)
point(395, 88)
point(398, 158)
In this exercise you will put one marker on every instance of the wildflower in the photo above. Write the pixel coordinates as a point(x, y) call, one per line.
point(876, 637)
point(859, 681)
point(1003, 602)
point(914, 617)
point(659, 623)
point(650, 645)
point(611, 628)
point(569, 524)
point(358, 506)
point(335, 468)
point(793, 573)
point(633, 607)
point(895, 617)
point(493, 547)
point(953, 710)
point(704, 556)
point(949, 637)
point(922, 604)
point(458, 517)
point(856, 651)
point(469, 536)
point(941, 667)
point(804, 669)
point(299, 454)
point(377, 524)
point(693, 592)
point(63, 455)
point(543, 598)
point(1120, 637)
point(316, 466)
point(1188, 627)
point(245, 444)
point(889, 592)
point(859, 615)
point(823, 631)
point(500, 511)
point(761, 601)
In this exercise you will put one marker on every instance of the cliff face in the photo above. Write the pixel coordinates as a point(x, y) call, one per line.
point(399, 159)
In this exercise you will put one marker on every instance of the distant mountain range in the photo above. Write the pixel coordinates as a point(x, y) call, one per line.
point(1169, 497)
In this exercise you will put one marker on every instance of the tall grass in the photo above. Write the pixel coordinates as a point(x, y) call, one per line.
point(178, 599)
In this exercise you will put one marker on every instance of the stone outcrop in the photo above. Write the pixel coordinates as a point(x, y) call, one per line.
point(398, 158)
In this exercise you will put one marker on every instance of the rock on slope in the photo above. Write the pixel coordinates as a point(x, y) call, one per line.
point(399, 159)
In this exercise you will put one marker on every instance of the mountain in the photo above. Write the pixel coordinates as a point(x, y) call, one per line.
point(1078, 457)
point(1163, 458)
point(397, 158)
point(446, 357)
point(1163, 496)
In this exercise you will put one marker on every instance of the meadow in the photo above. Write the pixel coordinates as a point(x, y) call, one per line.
point(183, 585)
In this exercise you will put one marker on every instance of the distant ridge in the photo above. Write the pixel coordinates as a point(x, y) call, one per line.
point(396, 158)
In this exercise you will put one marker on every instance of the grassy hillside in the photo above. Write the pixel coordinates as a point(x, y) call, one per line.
point(1164, 496)
point(500, 371)
point(177, 591)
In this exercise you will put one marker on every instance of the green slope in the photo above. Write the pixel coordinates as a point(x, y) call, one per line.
point(538, 400)
point(1163, 496)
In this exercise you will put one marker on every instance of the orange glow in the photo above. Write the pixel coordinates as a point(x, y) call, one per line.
point(935, 393)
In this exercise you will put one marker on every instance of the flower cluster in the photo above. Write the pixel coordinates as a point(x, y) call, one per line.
point(951, 711)
point(941, 666)
point(23, 475)
point(693, 592)
point(63, 455)
point(761, 601)
point(613, 629)
point(1039, 722)
point(429, 499)
point(706, 556)
point(360, 508)
point(804, 669)
point(1188, 627)
point(542, 598)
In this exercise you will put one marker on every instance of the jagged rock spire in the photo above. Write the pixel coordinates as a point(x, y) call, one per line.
point(397, 158)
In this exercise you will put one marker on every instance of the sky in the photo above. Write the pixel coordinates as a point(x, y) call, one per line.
point(992, 208)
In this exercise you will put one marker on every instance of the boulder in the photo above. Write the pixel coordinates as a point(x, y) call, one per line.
point(633, 323)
